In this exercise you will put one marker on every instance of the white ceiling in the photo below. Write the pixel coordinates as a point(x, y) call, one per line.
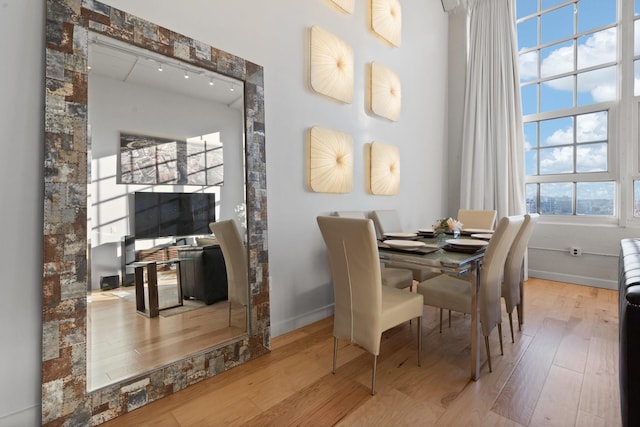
point(131, 64)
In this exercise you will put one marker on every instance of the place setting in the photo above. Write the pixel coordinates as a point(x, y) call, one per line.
point(468, 246)
point(470, 231)
point(481, 236)
point(426, 232)
point(408, 246)
point(400, 235)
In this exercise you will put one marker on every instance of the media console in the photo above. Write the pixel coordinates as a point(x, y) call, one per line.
point(202, 270)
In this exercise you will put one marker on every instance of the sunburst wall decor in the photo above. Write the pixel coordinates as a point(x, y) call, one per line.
point(330, 161)
point(386, 92)
point(385, 169)
point(331, 68)
point(346, 5)
point(386, 20)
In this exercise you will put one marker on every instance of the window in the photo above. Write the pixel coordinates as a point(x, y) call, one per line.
point(568, 70)
point(636, 91)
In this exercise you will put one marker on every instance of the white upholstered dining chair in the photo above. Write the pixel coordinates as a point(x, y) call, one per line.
point(364, 309)
point(455, 294)
point(477, 218)
point(400, 278)
point(388, 221)
point(513, 283)
point(235, 260)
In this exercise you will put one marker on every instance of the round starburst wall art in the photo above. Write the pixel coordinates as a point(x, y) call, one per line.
point(386, 92)
point(386, 20)
point(330, 161)
point(331, 68)
point(385, 169)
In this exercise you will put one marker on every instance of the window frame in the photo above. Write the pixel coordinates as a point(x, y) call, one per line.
point(614, 150)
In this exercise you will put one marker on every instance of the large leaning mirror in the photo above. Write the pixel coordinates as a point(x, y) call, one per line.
point(86, 238)
point(167, 158)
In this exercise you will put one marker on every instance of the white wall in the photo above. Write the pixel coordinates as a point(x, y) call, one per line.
point(21, 124)
point(149, 111)
point(273, 34)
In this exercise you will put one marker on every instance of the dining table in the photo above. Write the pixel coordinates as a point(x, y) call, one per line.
point(439, 254)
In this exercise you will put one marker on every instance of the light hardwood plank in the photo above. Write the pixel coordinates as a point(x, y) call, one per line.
point(559, 400)
point(535, 383)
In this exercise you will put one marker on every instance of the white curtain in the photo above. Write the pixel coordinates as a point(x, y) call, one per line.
point(492, 141)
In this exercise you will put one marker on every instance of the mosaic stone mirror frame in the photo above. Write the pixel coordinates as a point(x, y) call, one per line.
point(65, 400)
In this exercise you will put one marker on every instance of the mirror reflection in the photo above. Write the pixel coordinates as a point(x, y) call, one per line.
point(166, 159)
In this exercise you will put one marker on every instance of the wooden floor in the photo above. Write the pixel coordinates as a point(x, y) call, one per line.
point(122, 343)
point(561, 371)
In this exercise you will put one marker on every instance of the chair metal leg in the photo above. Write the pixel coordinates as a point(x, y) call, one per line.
point(449, 319)
point(420, 341)
point(335, 353)
point(520, 317)
point(440, 320)
point(511, 326)
point(500, 336)
point(373, 376)
point(486, 344)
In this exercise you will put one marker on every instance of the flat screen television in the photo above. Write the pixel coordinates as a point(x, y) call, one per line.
point(173, 214)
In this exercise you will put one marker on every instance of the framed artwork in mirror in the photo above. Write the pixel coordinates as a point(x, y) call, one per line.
point(65, 399)
point(147, 159)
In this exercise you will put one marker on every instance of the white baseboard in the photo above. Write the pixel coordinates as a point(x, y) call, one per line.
point(293, 323)
point(578, 280)
point(26, 417)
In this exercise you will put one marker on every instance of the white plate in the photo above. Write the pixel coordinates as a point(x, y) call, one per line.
point(477, 230)
point(401, 235)
point(482, 236)
point(467, 242)
point(426, 230)
point(404, 244)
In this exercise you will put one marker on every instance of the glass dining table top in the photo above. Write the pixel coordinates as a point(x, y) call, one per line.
point(433, 255)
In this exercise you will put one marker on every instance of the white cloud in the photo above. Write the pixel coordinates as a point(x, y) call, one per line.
point(596, 49)
point(591, 127)
point(528, 66)
point(561, 136)
point(592, 158)
point(557, 160)
point(558, 61)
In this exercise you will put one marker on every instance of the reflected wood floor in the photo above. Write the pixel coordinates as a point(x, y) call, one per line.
point(562, 370)
point(122, 343)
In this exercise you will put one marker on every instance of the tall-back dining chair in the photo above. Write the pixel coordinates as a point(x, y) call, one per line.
point(478, 219)
point(474, 218)
point(513, 283)
point(235, 260)
point(388, 221)
point(455, 294)
point(364, 309)
point(400, 278)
